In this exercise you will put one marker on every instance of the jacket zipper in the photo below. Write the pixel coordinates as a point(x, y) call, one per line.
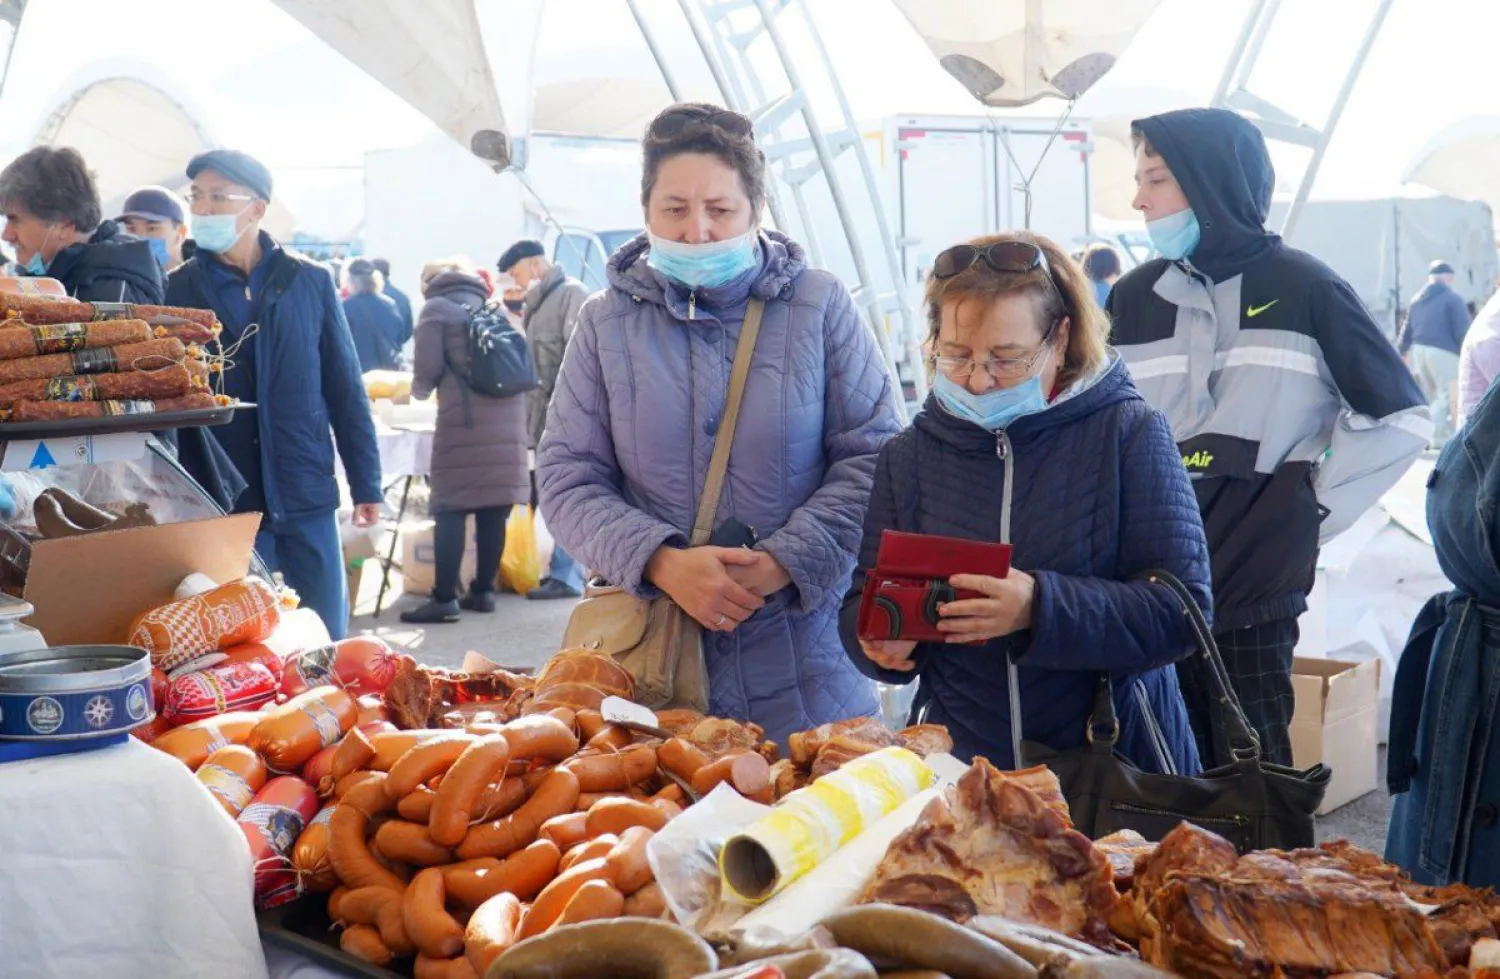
point(1158, 740)
point(692, 305)
point(1147, 811)
point(1012, 674)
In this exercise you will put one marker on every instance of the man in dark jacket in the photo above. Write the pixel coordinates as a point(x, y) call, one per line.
point(1436, 324)
point(293, 357)
point(553, 299)
point(374, 320)
point(1294, 414)
point(54, 221)
point(402, 301)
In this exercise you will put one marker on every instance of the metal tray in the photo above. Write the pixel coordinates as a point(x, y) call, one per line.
point(304, 926)
point(118, 424)
point(74, 692)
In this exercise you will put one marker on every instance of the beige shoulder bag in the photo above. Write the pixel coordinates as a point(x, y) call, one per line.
point(659, 643)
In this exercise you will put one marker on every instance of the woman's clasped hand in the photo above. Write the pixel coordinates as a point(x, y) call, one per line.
point(720, 587)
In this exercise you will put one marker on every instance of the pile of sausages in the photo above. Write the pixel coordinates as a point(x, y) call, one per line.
point(455, 845)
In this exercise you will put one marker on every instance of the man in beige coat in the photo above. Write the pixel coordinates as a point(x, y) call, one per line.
point(553, 299)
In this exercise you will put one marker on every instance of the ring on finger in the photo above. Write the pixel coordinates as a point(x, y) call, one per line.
point(722, 619)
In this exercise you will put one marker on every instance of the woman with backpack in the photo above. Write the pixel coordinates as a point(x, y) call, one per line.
point(479, 463)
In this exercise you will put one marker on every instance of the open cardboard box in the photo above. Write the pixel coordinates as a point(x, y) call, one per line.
point(91, 588)
point(1335, 723)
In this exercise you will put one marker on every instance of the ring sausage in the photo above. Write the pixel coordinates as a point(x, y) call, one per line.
point(593, 849)
point(417, 806)
point(749, 774)
point(381, 908)
point(566, 715)
point(335, 905)
point(391, 745)
point(481, 762)
point(310, 854)
point(611, 737)
point(615, 771)
point(431, 928)
point(492, 930)
point(540, 736)
point(627, 860)
point(500, 799)
point(425, 760)
point(673, 793)
point(342, 786)
point(617, 815)
point(555, 896)
point(596, 899)
point(404, 842)
point(648, 902)
point(501, 837)
point(523, 873)
point(682, 758)
point(347, 827)
point(590, 723)
point(587, 800)
point(363, 942)
point(352, 754)
point(566, 831)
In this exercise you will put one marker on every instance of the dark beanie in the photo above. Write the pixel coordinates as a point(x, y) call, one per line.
point(519, 252)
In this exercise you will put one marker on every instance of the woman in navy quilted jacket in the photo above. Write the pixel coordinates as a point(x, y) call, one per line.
point(1035, 435)
point(637, 408)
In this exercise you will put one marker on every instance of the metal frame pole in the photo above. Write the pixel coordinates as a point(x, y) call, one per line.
point(649, 36)
point(1237, 53)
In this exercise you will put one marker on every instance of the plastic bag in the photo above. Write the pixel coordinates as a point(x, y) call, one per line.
point(521, 564)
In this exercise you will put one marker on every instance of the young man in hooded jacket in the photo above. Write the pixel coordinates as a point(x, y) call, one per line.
point(1293, 412)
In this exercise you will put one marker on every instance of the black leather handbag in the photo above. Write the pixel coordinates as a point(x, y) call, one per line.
point(1252, 803)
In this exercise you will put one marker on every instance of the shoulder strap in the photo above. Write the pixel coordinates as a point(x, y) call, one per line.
point(718, 467)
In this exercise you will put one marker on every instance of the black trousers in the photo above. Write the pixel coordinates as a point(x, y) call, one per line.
point(1259, 662)
point(448, 547)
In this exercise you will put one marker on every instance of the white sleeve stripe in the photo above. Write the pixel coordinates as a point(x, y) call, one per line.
point(1157, 366)
point(1414, 423)
point(1278, 358)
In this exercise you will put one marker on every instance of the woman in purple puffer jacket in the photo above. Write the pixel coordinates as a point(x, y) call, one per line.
point(637, 407)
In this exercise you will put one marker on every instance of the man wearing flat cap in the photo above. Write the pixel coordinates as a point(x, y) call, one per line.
point(291, 354)
point(1431, 340)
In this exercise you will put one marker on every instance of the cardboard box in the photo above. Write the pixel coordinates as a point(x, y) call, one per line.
point(1335, 723)
point(418, 558)
point(91, 588)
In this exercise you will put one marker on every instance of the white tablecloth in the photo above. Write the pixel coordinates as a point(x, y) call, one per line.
point(118, 863)
point(404, 451)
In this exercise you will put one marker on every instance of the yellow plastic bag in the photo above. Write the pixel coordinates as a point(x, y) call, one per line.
point(521, 564)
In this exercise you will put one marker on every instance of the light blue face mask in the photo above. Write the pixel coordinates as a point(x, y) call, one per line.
point(1175, 235)
point(216, 232)
point(703, 266)
point(159, 249)
point(35, 265)
point(995, 409)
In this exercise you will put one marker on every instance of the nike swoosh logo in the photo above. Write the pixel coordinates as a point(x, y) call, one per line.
point(1257, 310)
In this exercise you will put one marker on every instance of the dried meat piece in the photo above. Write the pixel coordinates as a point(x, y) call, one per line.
point(1123, 848)
point(803, 747)
point(925, 739)
point(1011, 853)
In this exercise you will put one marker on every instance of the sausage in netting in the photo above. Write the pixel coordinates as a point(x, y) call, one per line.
point(555, 896)
point(593, 849)
point(405, 842)
point(96, 360)
point(523, 873)
point(481, 763)
point(501, 837)
point(492, 930)
point(613, 771)
point(348, 850)
point(627, 860)
point(65, 338)
point(540, 736)
point(426, 760)
point(429, 925)
point(164, 383)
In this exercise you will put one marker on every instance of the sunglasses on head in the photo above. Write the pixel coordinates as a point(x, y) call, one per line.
point(674, 122)
point(1002, 256)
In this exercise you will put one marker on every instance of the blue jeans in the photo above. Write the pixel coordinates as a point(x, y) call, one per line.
point(310, 557)
point(565, 569)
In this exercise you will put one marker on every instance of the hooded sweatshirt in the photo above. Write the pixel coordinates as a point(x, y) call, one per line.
point(1293, 412)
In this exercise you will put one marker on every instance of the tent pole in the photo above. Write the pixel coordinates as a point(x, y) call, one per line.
point(1237, 53)
point(649, 36)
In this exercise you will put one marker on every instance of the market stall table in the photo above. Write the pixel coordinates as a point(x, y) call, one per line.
point(406, 454)
point(117, 862)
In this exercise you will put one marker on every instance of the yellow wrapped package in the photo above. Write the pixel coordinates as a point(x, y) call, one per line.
point(808, 825)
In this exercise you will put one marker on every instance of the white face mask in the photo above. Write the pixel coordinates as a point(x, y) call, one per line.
point(707, 265)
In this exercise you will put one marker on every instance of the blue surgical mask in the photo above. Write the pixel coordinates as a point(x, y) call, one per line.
point(159, 249)
point(995, 409)
point(1175, 235)
point(703, 266)
point(216, 232)
point(36, 266)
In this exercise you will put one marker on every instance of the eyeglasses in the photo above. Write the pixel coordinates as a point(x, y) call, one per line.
point(1001, 368)
point(674, 122)
point(196, 197)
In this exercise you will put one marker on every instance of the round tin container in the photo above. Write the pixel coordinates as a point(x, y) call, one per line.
point(74, 692)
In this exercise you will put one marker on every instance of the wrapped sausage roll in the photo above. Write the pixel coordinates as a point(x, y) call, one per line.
point(169, 382)
point(45, 411)
point(100, 360)
point(36, 309)
point(60, 338)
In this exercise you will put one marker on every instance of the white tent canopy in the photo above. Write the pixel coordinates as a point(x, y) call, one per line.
point(1462, 160)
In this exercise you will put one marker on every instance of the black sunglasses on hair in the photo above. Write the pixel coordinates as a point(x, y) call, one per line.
point(673, 122)
point(1002, 256)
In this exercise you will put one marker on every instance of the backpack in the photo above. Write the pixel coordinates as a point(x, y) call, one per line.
point(499, 361)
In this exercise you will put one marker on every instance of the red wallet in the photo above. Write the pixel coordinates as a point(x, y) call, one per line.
point(910, 580)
